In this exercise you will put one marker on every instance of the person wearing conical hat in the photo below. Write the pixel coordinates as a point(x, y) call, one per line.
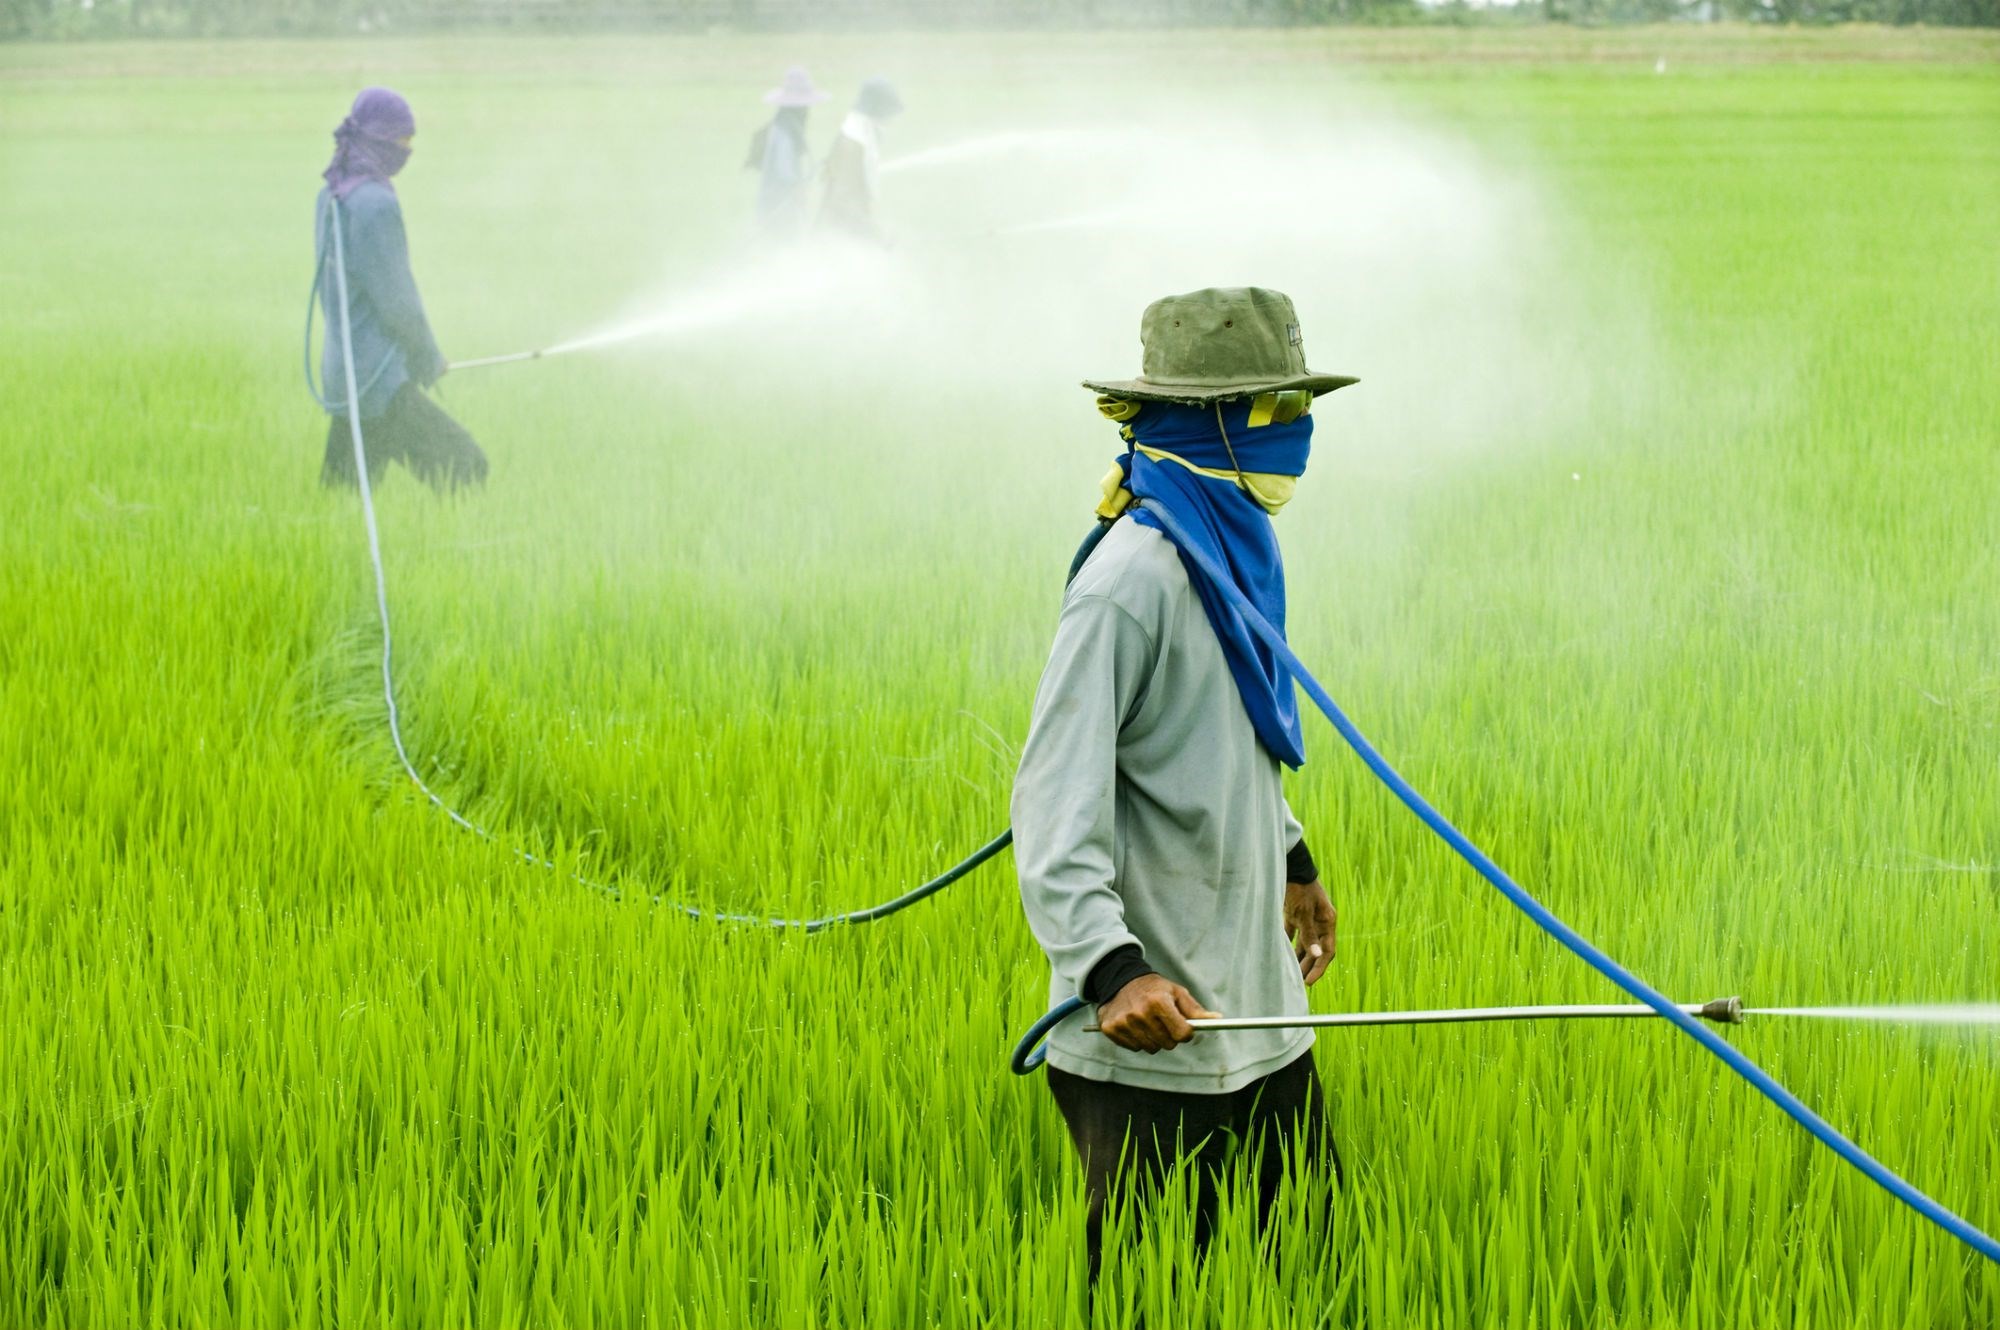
point(854, 166)
point(395, 356)
point(1160, 867)
point(779, 156)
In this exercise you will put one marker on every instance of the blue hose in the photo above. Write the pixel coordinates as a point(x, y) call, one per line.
point(1544, 919)
point(873, 912)
point(1033, 1051)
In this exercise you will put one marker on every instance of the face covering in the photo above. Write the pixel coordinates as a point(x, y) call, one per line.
point(1271, 490)
point(1222, 469)
point(372, 143)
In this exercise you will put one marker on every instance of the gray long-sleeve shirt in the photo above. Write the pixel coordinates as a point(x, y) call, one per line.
point(1146, 811)
point(392, 338)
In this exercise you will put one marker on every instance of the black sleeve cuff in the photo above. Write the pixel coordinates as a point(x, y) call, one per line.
point(1118, 968)
point(1299, 865)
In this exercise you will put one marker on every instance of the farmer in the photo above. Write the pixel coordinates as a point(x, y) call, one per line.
point(778, 154)
point(854, 166)
point(1162, 870)
point(395, 356)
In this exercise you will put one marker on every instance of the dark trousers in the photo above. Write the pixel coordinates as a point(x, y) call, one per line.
point(414, 431)
point(1129, 1137)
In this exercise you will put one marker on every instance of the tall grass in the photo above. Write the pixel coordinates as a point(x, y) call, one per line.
point(1711, 669)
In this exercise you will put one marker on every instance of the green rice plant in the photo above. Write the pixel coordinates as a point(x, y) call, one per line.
point(1698, 644)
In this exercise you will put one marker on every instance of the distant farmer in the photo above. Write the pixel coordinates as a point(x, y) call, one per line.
point(1162, 870)
point(395, 356)
point(778, 154)
point(855, 164)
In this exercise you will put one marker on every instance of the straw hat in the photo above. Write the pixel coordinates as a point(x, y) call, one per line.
point(796, 90)
point(1220, 343)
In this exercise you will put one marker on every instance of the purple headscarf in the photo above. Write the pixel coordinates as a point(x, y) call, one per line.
point(365, 145)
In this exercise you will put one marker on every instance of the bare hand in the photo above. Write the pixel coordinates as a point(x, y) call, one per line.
point(1310, 922)
point(1150, 1015)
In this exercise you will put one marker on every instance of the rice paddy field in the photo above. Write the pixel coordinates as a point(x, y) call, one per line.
point(1656, 545)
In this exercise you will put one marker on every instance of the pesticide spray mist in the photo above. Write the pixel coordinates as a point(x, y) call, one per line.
point(1941, 1013)
point(1020, 257)
point(1022, 248)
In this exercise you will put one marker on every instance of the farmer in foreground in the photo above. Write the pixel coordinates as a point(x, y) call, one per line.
point(1161, 868)
point(395, 356)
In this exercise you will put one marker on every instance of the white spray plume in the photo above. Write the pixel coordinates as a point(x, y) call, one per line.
point(790, 285)
point(1940, 1013)
point(1446, 286)
point(1048, 144)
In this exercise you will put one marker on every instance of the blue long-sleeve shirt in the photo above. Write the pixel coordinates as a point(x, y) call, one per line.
point(392, 338)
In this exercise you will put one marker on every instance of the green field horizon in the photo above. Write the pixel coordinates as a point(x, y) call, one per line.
point(1655, 545)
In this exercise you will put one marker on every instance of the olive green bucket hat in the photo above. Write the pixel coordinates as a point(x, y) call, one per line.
point(1213, 345)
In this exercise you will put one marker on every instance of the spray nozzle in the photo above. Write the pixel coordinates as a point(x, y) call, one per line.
point(1723, 1011)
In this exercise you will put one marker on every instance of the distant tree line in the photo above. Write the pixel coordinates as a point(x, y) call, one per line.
point(215, 18)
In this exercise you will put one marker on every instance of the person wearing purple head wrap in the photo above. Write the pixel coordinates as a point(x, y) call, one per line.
point(395, 355)
point(372, 143)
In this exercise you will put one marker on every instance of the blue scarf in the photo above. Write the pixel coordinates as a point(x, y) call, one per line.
point(1235, 532)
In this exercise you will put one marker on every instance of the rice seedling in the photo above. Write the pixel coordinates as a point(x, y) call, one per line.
point(1695, 635)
